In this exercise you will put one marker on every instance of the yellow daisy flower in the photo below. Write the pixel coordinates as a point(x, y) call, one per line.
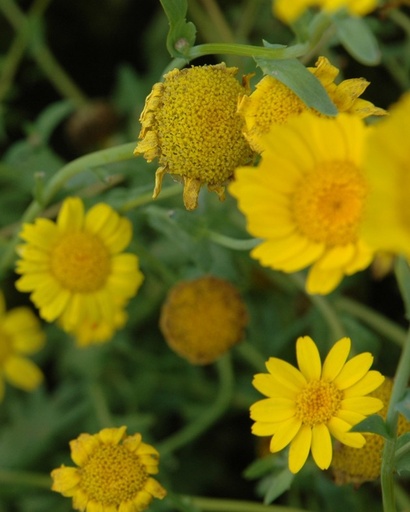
point(203, 318)
point(190, 123)
point(289, 11)
point(306, 406)
point(75, 268)
point(113, 475)
point(272, 102)
point(352, 465)
point(20, 335)
point(387, 228)
point(306, 198)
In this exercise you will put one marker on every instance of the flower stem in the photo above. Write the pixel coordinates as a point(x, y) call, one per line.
point(56, 183)
point(26, 478)
point(210, 416)
point(205, 504)
point(232, 243)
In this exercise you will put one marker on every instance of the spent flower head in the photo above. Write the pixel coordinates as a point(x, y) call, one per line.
point(203, 318)
point(307, 197)
point(273, 102)
point(352, 465)
point(75, 267)
point(113, 474)
point(190, 123)
point(20, 335)
point(306, 406)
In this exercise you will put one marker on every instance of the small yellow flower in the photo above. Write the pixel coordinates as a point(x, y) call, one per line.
point(306, 406)
point(274, 103)
point(75, 267)
point(352, 465)
point(113, 475)
point(306, 199)
point(190, 123)
point(20, 335)
point(288, 11)
point(386, 225)
point(203, 318)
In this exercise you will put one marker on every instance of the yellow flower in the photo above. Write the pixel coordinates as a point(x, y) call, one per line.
point(75, 267)
point(306, 406)
point(203, 318)
point(274, 103)
point(387, 222)
point(306, 198)
point(352, 465)
point(113, 473)
point(91, 333)
point(289, 11)
point(190, 123)
point(20, 335)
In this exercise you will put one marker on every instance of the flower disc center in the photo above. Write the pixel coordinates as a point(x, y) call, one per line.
point(318, 402)
point(113, 475)
point(80, 262)
point(329, 203)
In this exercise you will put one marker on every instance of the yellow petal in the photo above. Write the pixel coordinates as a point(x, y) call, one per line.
point(285, 434)
point(273, 409)
point(322, 282)
point(336, 359)
point(340, 430)
point(71, 215)
point(112, 435)
point(321, 446)
point(264, 383)
point(371, 381)
point(286, 375)
point(22, 373)
point(351, 417)
point(263, 428)
point(65, 479)
point(308, 358)
point(299, 449)
point(362, 404)
point(354, 370)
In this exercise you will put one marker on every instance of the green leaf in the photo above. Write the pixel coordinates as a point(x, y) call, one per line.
point(402, 271)
point(374, 424)
point(403, 406)
point(301, 81)
point(402, 460)
point(261, 467)
point(278, 484)
point(358, 40)
point(181, 34)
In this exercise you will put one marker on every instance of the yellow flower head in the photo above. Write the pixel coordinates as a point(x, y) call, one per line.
point(190, 123)
point(288, 11)
point(306, 406)
point(203, 318)
point(352, 465)
point(20, 335)
point(274, 103)
point(114, 473)
point(306, 198)
point(75, 267)
point(387, 222)
point(92, 333)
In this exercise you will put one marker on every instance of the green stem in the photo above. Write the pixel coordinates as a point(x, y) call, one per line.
point(144, 199)
point(41, 53)
point(200, 424)
point(323, 305)
point(101, 408)
point(252, 355)
point(25, 478)
point(232, 243)
point(203, 504)
point(373, 319)
point(387, 470)
point(56, 183)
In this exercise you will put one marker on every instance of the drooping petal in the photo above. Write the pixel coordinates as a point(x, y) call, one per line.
point(299, 449)
point(321, 446)
point(336, 359)
point(308, 358)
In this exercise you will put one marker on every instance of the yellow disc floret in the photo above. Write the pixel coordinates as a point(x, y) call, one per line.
point(190, 123)
point(203, 318)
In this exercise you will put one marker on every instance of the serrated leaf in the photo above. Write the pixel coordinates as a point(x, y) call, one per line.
point(403, 406)
point(301, 81)
point(181, 34)
point(373, 424)
point(358, 40)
